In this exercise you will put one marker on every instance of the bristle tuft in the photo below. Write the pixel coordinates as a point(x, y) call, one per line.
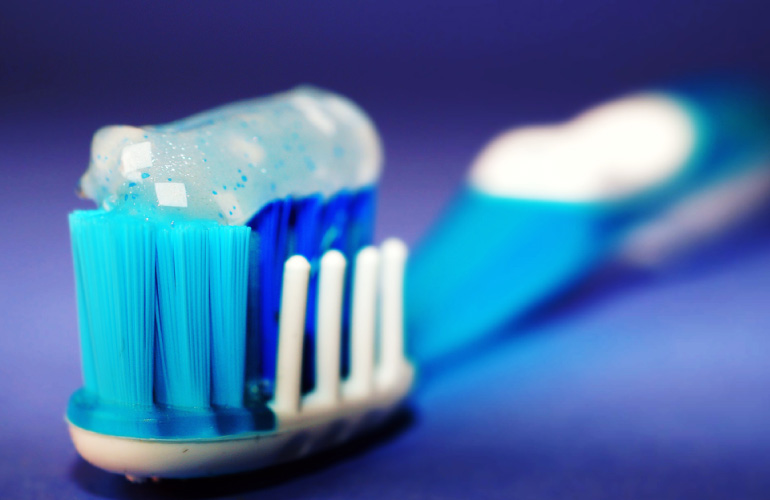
point(229, 254)
point(162, 310)
point(115, 271)
point(182, 375)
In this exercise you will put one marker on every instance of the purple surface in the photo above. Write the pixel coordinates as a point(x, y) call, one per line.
point(633, 387)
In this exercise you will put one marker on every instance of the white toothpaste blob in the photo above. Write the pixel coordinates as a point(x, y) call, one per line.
point(610, 151)
point(227, 163)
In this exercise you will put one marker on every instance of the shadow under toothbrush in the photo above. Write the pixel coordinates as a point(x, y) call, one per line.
point(616, 278)
point(97, 482)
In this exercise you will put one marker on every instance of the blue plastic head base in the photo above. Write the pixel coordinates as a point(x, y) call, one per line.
point(87, 411)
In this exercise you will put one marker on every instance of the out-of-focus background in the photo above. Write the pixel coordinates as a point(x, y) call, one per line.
point(634, 386)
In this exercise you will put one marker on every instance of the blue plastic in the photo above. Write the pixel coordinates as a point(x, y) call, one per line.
point(489, 260)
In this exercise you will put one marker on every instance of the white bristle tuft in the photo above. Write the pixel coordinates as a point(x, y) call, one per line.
point(329, 326)
point(394, 254)
point(363, 321)
point(291, 331)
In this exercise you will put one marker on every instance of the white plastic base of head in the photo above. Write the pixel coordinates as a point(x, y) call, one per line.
point(316, 428)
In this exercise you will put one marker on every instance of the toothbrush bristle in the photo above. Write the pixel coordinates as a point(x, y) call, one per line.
point(115, 276)
point(291, 334)
point(201, 327)
point(394, 254)
point(162, 310)
point(229, 257)
point(363, 321)
point(331, 283)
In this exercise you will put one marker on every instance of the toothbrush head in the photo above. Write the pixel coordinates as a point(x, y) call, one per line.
point(221, 326)
point(335, 411)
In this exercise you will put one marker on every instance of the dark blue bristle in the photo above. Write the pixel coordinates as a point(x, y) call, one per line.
point(271, 224)
point(308, 227)
point(306, 232)
point(201, 320)
point(228, 254)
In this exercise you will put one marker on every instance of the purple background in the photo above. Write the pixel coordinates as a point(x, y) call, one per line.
point(635, 386)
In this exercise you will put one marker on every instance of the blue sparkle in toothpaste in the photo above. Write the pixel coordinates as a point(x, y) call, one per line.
point(314, 141)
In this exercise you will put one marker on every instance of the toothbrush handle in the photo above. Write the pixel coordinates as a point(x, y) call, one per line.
point(491, 260)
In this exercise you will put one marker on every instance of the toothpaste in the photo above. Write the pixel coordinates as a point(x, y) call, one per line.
point(227, 163)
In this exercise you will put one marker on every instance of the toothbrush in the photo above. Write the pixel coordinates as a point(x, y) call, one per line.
point(233, 312)
point(643, 178)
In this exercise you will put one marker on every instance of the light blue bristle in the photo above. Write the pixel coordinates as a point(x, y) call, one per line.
point(86, 350)
point(115, 266)
point(162, 310)
point(182, 375)
point(309, 227)
point(201, 318)
point(272, 225)
point(228, 254)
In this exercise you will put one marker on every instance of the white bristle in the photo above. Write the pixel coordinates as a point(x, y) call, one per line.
point(392, 309)
point(329, 325)
point(363, 321)
point(291, 331)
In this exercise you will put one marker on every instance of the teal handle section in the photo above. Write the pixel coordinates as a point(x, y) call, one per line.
point(491, 259)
